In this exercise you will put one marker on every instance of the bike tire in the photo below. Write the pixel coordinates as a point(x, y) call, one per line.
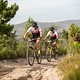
point(54, 54)
point(30, 56)
point(49, 54)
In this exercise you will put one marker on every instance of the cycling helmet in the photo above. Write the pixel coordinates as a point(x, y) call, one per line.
point(34, 24)
point(52, 29)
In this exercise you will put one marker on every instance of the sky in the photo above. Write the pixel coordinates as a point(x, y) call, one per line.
point(46, 10)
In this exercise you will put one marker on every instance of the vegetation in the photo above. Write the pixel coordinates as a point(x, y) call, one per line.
point(65, 34)
point(21, 49)
point(73, 39)
point(8, 47)
point(6, 14)
point(8, 42)
point(28, 23)
point(70, 65)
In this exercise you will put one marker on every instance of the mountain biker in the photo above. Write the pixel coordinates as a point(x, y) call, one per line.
point(36, 32)
point(53, 36)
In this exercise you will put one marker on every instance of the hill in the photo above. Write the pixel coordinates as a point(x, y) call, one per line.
point(61, 25)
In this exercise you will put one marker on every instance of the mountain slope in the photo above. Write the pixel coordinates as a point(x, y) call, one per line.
point(61, 25)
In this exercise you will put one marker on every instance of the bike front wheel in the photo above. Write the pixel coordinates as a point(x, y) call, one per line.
point(30, 55)
point(49, 54)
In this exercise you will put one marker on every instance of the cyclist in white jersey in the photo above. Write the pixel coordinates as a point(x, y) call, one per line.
point(53, 36)
point(36, 32)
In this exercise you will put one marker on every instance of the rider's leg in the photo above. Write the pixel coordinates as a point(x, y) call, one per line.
point(55, 49)
point(38, 44)
point(54, 44)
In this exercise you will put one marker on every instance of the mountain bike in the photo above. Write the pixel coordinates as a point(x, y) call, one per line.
point(33, 52)
point(50, 51)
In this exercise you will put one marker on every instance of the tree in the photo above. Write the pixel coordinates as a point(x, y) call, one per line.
point(8, 42)
point(28, 23)
point(65, 34)
point(6, 14)
point(74, 39)
point(74, 32)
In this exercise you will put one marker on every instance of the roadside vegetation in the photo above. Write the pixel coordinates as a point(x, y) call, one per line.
point(8, 42)
point(70, 65)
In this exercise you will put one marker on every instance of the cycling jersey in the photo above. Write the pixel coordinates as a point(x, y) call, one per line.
point(52, 35)
point(35, 32)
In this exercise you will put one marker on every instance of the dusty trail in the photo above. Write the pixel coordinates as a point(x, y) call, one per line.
point(19, 70)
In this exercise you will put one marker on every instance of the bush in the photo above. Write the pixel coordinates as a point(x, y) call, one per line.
point(76, 46)
point(13, 54)
point(21, 49)
point(61, 47)
point(61, 51)
point(6, 53)
point(8, 47)
point(1, 56)
point(65, 34)
point(70, 66)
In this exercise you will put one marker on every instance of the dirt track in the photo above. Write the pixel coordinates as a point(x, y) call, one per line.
point(19, 70)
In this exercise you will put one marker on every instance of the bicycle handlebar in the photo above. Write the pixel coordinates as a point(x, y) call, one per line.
point(28, 39)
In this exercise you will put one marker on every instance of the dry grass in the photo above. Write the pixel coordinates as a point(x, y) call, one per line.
point(70, 66)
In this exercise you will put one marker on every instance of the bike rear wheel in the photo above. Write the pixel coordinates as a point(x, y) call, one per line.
point(55, 55)
point(49, 54)
point(30, 55)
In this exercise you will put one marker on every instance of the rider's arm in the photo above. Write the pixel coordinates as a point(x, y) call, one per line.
point(26, 34)
point(47, 35)
point(41, 33)
point(45, 38)
point(29, 30)
point(57, 34)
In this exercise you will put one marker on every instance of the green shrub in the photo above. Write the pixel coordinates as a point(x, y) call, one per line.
point(7, 53)
point(61, 47)
point(12, 54)
point(1, 56)
point(8, 47)
point(73, 39)
point(4, 53)
point(65, 34)
point(76, 46)
point(70, 65)
point(61, 51)
point(21, 49)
